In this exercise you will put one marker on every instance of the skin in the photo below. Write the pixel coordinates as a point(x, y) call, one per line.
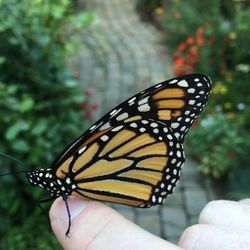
point(222, 225)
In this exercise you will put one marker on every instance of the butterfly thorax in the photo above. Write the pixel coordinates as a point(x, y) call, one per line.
point(45, 179)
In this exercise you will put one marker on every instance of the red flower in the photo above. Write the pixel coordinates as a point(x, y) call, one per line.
point(88, 114)
point(181, 47)
point(199, 36)
point(94, 106)
point(84, 104)
point(180, 70)
point(190, 40)
point(200, 41)
point(179, 61)
point(193, 55)
point(76, 74)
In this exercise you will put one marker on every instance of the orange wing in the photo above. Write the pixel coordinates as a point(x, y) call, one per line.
point(133, 154)
point(135, 164)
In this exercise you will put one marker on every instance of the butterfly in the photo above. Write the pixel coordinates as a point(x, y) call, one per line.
point(134, 154)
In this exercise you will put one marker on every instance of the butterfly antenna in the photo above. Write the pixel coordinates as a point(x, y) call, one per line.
point(10, 157)
point(15, 172)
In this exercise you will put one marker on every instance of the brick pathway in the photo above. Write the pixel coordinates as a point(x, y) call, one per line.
point(123, 55)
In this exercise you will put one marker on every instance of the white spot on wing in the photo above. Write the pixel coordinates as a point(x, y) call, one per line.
point(104, 138)
point(122, 116)
point(144, 108)
point(105, 126)
point(117, 128)
point(191, 90)
point(132, 99)
point(81, 150)
point(133, 125)
point(143, 101)
point(173, 81)
point(92, 127)
point(158, 86)
point(175, 125)
point(183, 83)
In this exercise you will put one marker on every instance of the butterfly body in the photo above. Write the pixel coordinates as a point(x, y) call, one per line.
point(133, 155)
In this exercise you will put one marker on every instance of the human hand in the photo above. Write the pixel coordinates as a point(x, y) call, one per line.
point(97, 226)
point(223, 225)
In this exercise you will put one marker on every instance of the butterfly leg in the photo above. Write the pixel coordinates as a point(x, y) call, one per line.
point(69, 215)
point(38, 203)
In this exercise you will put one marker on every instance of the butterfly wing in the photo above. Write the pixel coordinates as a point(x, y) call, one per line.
point(171, 107)
point(136, 163)
point(176, 102)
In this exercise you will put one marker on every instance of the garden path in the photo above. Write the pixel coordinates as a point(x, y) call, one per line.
point(121, 56)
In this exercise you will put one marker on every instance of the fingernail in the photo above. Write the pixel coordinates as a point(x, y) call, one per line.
point(75, 207)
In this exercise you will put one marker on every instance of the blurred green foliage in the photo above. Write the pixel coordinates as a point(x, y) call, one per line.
point(216, 143)
point(212, 37)
point(40, 108)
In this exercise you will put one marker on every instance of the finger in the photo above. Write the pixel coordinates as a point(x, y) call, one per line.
point(245, 201)
point(229, 214)
point(96, 226)
point(207, 237)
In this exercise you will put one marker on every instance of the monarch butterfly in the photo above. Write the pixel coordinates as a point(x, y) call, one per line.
point(132, 155)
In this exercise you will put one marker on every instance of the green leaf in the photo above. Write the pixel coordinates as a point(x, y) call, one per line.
point(21, 146)
point(2, 59)
point(15, 129)
point(39, 128)
point(26, 104)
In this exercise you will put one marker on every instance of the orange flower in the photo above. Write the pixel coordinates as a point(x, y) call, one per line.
point(199, 36)
point(193, 55)
point(181, 47)
point(190, 40)
point(200, 41)
point(179, 61)
point(183, 69)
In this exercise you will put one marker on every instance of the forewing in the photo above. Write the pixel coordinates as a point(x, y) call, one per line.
point(176, 103)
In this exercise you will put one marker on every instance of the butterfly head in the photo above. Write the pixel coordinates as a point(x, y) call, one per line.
point(45, 179)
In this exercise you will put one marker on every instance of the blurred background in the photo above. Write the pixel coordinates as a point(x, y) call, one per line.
point(64, 63)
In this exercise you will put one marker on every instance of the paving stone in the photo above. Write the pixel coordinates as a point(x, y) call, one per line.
point(175, 199)
point(150, 223)
point(196, 199)
point(174, 216)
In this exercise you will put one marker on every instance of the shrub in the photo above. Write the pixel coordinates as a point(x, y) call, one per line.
point(216, 42)
point(216, 143)
point(41, 110)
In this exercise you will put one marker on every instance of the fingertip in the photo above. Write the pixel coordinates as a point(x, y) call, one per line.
point(98, 226)
point(245, 201)
point(58, 209)
point(207, 237)
point(227, 214)
point(213, 211)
